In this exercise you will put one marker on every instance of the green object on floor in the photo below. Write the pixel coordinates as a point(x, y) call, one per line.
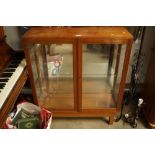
point(29, 123)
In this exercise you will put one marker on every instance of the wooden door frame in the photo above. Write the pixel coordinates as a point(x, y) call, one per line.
point(128, 44)
point(75, 68)
point(124, 74)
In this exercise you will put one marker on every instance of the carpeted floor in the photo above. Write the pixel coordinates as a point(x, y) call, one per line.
point(97, 123)
point(91, 123)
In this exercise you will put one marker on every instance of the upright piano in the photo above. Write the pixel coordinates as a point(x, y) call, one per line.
point(13, 75)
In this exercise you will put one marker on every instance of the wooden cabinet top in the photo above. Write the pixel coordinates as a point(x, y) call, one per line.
point(105, 34)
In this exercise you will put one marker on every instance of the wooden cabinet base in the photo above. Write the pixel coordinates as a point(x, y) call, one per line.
point(87, 113)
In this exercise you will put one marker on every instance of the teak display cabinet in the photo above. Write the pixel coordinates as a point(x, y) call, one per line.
point(78, 71)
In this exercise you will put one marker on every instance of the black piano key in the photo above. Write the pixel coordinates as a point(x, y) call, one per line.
point(15, 61)
point(4, 80)
point(2, 85)
point(13, 65)
point(10, 70)
point(6, 75)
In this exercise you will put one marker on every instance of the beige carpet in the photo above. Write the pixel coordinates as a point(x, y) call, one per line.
point(91, 123)
point(96, 123)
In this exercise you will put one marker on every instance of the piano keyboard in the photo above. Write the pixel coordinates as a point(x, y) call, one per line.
point(9, 77)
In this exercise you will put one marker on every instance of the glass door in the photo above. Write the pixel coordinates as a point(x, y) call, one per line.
point(53, 72)
point(100, 80)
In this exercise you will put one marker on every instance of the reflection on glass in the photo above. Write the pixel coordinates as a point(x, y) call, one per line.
point(99, 65)
point(117, 80)
point(54, 69)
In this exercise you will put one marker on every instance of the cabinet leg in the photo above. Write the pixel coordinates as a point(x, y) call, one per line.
point(111, 119)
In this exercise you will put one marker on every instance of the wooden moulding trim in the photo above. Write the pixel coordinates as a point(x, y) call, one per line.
point(9, 104)
point(75, 75)
point(59, 109)
point(116, 70)
point(86, 112)
point(103, 41)
point(79, 70)
point(28, 41)
point(31, 78)
point(107, 33)
point(124, 73)
point(78, 115)
point(85, 40)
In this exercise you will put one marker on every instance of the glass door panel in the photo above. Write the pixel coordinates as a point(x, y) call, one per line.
point(53, 72)
point(98, 75)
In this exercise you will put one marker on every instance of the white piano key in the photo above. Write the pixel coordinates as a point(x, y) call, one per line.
point(11, 82)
